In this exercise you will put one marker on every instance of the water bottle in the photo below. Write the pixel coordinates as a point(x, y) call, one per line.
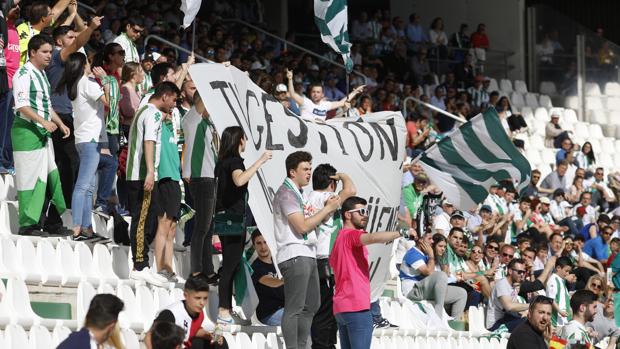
point(217, 333)
point(2, 58)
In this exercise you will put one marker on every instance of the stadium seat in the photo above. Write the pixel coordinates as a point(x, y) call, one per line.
point(84, 260)
point(244, 341)
point(545, 101)
point(605, 161)
point(177, 295)
point(531, 101)
point(59, 334)
point(548, 88)
point(592, 89)
point(607, 143)
point(15, 337)
point(258, 340)
point(493, 85)
point(616, 157)
point(232, 341)
point(8, 258)
point(130, 339)
point(569, 117)
point(85, 293)
point(595, 131)
point(594, 102)
point(612, 103)
point(68, 266)
point(102, 264)
point(476, 321)
point(548, 157)
point(533, 156)
point(48, 263)
point(537, 142)
point(16, 303)
point(572, 102)
point(516, 100)
point(597, 116)
point(612, 89)
point(40, 337)
point(596, 145)
point(505, 85)
point(272, 341)
point(9, 219)
point(130, 317)
point(26, 260)
point(9, 191)
point(527, 113)
point(161, 298)
point(146, 305)
point(541, 114)
point(520, 86)
point(581, 130)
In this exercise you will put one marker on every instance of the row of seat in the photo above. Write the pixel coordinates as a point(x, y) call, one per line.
point(39, 337)
point(591, 89)
point(531, 100)
point(419, 342)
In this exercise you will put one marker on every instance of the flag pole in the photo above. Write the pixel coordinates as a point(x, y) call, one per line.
point(348, 89)
point(194, 34)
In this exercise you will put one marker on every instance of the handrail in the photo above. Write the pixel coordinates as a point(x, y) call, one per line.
point(189, 52)
point(432, 107)
point(289, 43)
point(91, 9)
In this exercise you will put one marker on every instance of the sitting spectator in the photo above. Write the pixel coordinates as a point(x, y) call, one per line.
point(555, 180)
point(566, 146)
point(558, 291)
point(460, 40)
point(331, 92)
point(100, 325)
point(506, 255)
point(441, 221)
point(602, 195)
point(438, 99)
point(583, 305)
point(475, 266)
point(585, 157)
point(560, 210)
point(269, 288)
point(589, 216)
point(164, 335)
point(505, 304)
point(480, 42)
point(576, 189)
point(554, 135)
point(421, 281)
point(542, 254)
point(421, 69)
point(416, 34)
point(413, 194)
point(532, 188)
point(533, 333)
point(596, 284)
point(598, 247)
point(604, 324)
point(464, 72)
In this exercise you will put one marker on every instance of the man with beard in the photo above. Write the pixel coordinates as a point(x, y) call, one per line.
point(349, 260)
point(583, 304)
point(532, 333)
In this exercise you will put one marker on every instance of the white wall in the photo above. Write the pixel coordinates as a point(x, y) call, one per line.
point(505, 21)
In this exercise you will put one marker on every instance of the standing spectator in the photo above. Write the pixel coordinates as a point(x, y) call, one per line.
point(420, 68)
point(30, 134)
point(361, 29)
point(144, 135)
point(40, 17)
point(416, 34)
point(100, 325)
point(10, 45)
point(132, 76)
point(438, 40)
point(460, 42)
point(232, 191)
point(480, 42)
point(294, 224)
point(464, 72)
point(88, 100)
point(349, 259)
point(505, 304)
point(148, 60)
point(201, 138)
point(324, 184)
point(558, 291)
point(533, 333)
point(583, 304)
point(269, 288)
point(133, 29)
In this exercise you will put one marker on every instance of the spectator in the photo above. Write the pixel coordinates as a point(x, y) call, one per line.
point(596, 284)
point(349, 259)
point(583, 305)
point(558, 291)
point(464, 72)
point(560, 210)
point(565, 147)
point(554, 134)
point(331, 92)
point(361, 28)
point(555, 180)
point(164, 335)
point(148, 60)
point(439, 97)
point(40, 17)
point(438, 38)
point(479, 96)
point(415, 33)
point(188, 313)
point(420, 68)
point(533, 333)
point(132, 76)
point(532, 188)
point(604, 324)
point(231, 191)
point(602, 195)
point(480, 42)
point(269, 288)
point(441, 221)
point(88, 100)
point(365, 105)
point(590, 228)
point(296, 243)
point(505, 304)
point(460, 43)
point(324, 184)
point(100, 325)
point(133, 29)
point(585, 157)
point(598, 247)
point(577, 189)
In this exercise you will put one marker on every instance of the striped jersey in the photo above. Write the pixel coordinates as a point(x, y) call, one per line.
point(32, 89)
point(556, 289)
point(131, 52)
point(146, 126)
point(200, 146)
point(112, 117)
point(576, 333)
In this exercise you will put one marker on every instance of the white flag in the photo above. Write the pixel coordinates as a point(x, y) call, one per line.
point(190, 8)
point(331, 18)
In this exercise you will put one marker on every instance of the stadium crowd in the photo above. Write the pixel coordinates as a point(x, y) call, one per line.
point(99, 122)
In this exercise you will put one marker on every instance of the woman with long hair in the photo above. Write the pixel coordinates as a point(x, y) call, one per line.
point(440, 244)
point(575, 191)
point(88, 100)
point(597, 285)
point(232, 190)
point(132, 76)
point(586, 158)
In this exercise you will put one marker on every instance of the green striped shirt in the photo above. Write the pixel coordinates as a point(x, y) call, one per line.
point(112, 117)
point(32, 89)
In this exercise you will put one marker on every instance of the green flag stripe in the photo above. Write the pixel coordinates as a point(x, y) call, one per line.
point(453, 156)
point(471, 189)
point(198, 150)
point(334, 9)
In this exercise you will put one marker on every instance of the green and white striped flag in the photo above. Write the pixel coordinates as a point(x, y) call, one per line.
point(245, 293)
point(467, 161)
point(331, 18)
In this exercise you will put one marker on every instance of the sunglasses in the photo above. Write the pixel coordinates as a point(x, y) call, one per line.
point(508, 255)
point(598, 286)
point(362, 211)
point(520, 272)
point(492, 247)
point(137, 31)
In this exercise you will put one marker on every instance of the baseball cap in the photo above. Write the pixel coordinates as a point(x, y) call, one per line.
point(486, 208)
point(281, 88)
point(457, 214)
point(545, 200)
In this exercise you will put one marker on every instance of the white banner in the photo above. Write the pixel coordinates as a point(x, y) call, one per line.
point(370, 151)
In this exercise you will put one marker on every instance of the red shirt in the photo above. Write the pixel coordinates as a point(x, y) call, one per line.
point(479, 40)
point(349, 259)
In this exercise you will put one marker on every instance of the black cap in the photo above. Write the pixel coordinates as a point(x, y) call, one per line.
point(457, 214)
point(558, 192)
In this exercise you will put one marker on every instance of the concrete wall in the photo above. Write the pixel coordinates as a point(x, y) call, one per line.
point(505, 20)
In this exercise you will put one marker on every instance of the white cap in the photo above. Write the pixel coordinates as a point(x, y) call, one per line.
point(281, 88)
point(257, 66)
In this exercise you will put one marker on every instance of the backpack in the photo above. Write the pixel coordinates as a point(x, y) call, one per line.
point(121, 229)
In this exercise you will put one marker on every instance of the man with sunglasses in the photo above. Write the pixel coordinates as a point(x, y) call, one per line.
point(133, 29)
point(598, 248)
point(533, 333)
point(505, 305)
point(349, 259)
point(506, 255)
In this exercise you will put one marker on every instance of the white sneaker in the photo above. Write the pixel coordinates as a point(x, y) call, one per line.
point(147, 275)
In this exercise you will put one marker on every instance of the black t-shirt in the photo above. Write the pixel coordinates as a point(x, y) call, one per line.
point(229, 196)
point(525, 337)
point(527, 287)
point(270, 298)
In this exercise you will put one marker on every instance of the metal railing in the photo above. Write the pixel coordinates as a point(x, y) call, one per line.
point(291, 44)
point(172, 44)
point(431, 107)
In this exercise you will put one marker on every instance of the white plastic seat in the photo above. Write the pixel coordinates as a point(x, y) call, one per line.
point(545, 101)
point(272, 341)
point(594, 102)
point(244, 341)
point(85, 294)
point(83, 258)
point(537, 142)
point(59, 334)
point(68, 266)
point(104, 287)
point(48, 264)
point(161, 298)
point(130, 339)
point(231, 340)
point(531, 100)
point(177, 294)
point(493, 85)
point(581, 130)
point(16, 303)
point(130, 317)
point(541, 114)
point(527, 112)
point(40, 337)
point(548, 157)
point(26, 259)
point(258, 340)
point(595, 131)
point(612, 103)
point(548, 88)
point(607, 143)
point(8, 258)
point(592, 89)
point(102, 264)
point(569, 116)
point(11, 190)
point(516, 100)
point(9, 218)
point(505, 85)
point(146, 306)
point(612, 89)
point(571, 102)
point(533, 156)
point(520, 86)
point(605, 161)
point(15, 337)
point(597, 116)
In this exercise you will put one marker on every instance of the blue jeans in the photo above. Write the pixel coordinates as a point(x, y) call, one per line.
point(375, 310)
point(6, 122)
point(355, 329)
point(107, 171)
point(274, 319)
point(82, 199)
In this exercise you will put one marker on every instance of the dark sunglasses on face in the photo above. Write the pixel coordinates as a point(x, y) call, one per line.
point(492, 247)
point(507, 255)
point(520, 272)
point(598, 286)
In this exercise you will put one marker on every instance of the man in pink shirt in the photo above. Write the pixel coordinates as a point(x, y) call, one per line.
point(10, 44)
point(349, 259)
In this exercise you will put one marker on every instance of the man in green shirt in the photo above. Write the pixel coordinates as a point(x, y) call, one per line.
point(413, 195)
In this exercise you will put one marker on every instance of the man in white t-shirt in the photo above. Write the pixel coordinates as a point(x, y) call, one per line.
point(324, 183)
point(294, 227)
point(316, 107)
point(441, 221)
point(505, 305)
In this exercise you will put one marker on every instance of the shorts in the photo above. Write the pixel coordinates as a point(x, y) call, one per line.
point(168, 198)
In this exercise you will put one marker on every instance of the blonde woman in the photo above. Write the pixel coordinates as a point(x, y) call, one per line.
point(597, 285)
point(132, 76)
